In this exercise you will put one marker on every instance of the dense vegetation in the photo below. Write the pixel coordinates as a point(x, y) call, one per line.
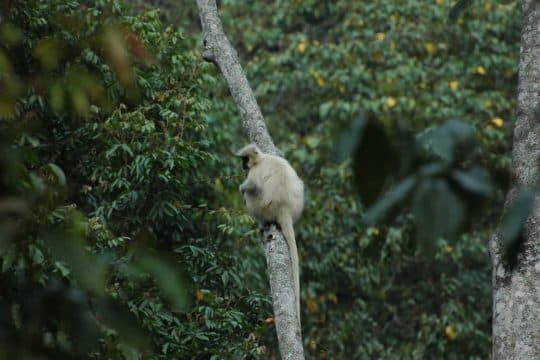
point(121, 230)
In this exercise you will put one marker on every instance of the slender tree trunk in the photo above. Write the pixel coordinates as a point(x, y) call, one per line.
point(218, 50)
point(516, 293)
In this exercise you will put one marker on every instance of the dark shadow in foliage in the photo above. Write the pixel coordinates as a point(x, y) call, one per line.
point(362, 139)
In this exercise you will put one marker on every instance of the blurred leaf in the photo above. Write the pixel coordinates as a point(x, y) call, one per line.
point(115, 51)
point(449, 138)
point(475, 180)
point(48, 52)
point(389, 201)
point(126, 325)
point(433, 169)
point(169, 276)
point(79, 100)
point(9, 34)
point(60, 176)
point(5, 64)
point(513, 223)
point(138, 49)
point(89, 269)
point(56, 96)
point(438, 212)
point(349, 139)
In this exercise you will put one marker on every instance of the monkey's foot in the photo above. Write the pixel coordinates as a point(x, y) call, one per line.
point(267, 225)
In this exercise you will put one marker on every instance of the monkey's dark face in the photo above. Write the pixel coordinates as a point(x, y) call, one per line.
point(245, 162)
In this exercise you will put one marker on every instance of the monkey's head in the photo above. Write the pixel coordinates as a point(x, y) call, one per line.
point(250, 156)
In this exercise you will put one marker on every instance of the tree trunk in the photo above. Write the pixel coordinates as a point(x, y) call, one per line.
point(516, 293)
point(218, 50)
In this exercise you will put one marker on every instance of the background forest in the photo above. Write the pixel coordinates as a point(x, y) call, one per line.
point(122, 232)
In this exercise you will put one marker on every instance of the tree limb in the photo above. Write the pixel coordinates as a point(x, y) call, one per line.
point(218, 50)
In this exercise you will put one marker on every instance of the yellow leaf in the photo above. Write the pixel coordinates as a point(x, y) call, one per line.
point(379, 36)
point(487, 7)
point(430, 47)
point(312, 141)
point(439, 2)
point(332, 297)
point(218, 185)
point(312, 305)
point(497, 121)
point(301, 47)
point(320, 81)
point(200, 295)
point(480, 70)
point(341, 88)
point(450, 332)
point(454, 84)
point(391, 102)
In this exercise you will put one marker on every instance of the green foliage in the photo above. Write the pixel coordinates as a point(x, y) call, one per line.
point(406, 70)
point(109, 246)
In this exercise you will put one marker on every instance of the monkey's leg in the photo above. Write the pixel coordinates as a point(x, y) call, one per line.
point(266, 226)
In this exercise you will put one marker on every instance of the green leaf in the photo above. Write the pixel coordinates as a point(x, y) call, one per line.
point(513, 223)
point(169, 277)
point(349, 139)
point(438, 211)
point(57, 171)
point(449, 138)
point(475, 180)
point(389, 201)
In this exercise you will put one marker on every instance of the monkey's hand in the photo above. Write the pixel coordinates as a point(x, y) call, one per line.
point(267, 225)
point(249, 187)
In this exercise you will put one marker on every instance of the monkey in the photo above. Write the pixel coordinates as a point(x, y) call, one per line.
point(273, 193)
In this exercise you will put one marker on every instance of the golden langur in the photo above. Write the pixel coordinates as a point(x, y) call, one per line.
point(273, 193)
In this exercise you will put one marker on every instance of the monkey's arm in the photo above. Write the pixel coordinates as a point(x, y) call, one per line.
point(250, 188)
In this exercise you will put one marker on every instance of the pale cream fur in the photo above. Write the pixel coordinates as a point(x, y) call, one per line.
point(273, 192)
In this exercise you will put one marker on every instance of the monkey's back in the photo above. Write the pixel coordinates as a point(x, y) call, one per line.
point(282, 189)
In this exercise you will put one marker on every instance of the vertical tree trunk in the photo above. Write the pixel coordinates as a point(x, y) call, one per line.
point(218, 50)
point(516, 294)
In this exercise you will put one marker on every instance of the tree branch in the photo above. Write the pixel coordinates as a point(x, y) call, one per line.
point(218, 50)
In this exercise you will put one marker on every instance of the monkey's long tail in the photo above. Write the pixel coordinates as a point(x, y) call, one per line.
point(288, 231)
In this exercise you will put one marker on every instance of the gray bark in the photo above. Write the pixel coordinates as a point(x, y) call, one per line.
point(218, 50)
point(516, 293)
point(287, 325)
